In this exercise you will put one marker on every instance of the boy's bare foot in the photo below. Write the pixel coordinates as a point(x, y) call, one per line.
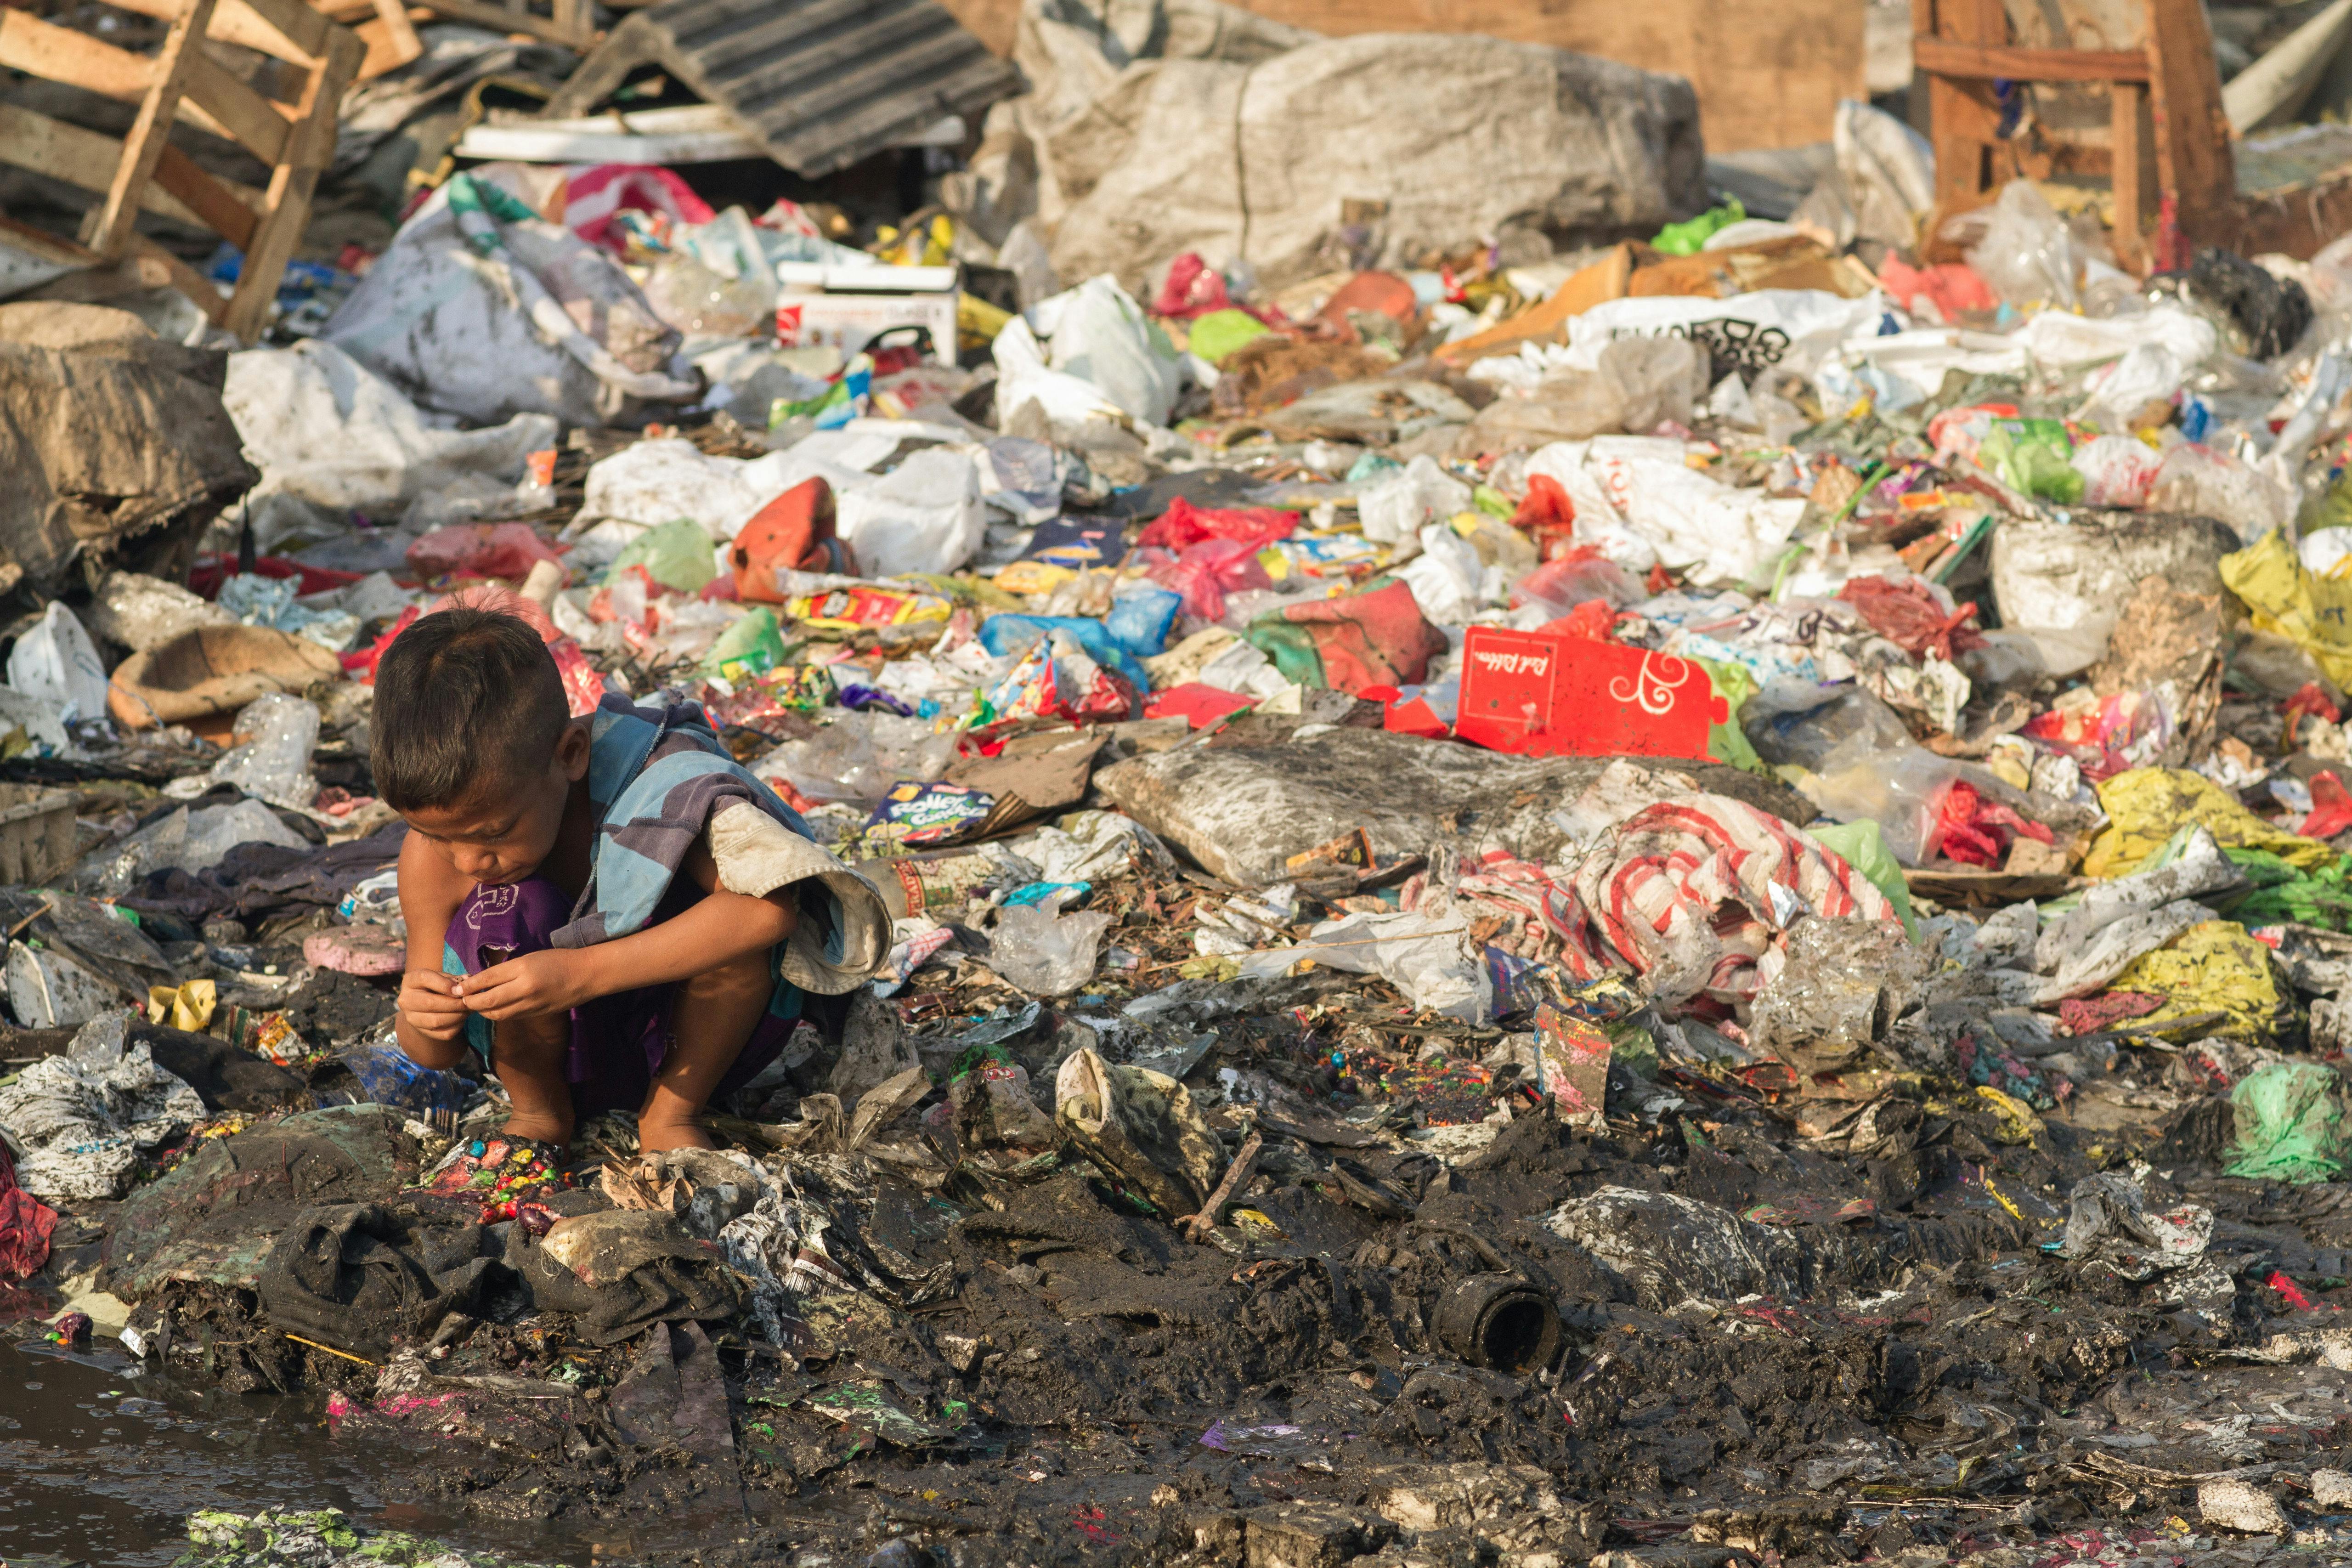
point(659, 1133)
point(540, 1127)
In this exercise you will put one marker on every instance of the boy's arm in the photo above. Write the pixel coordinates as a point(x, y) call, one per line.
point(720, 928)
point(430, 1024)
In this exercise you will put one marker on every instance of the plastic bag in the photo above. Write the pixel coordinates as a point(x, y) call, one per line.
point(1037, 949)
point(2118, 470)
point(1861, 844)
point(2201, 481)
point(678, 555)
point(1096, 332)
point(2290, 1123)
point(502, 550)
point(1141, 1126)
point(56, 663)
point(269, 754)
point(2288, 600)
point(1396, 506)
point(924, 516)
point(1655, 380)
point(2024, 249)
point(701, 302)
point(185, 840)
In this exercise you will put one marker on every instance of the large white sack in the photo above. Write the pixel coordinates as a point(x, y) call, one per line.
point(1157, 128)
point(481, 309)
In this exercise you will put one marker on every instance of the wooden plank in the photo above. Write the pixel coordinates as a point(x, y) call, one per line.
point(60, 54)
point(298, 23)
point(186, 279)
point(88, 159)
point(295, 180)
point(247, 116)
point(207, 197)
point(234, 22)
point(2006, 62)
point(2127, 103)
point(501, 20)
point(405, 45)
point(109, 231)
point(2193, 133)
point(634, 43)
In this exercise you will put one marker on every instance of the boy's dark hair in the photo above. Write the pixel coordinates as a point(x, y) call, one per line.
point(466, 700)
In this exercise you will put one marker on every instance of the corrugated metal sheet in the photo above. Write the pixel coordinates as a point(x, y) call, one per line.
point(820, 83)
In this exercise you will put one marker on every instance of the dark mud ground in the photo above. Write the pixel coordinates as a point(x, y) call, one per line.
point(1917, 1377)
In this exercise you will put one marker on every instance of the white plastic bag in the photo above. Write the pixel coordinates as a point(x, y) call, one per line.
point(2023, 249)
point(2203, 481)
point(1397, 505)
point(925, 515)
point(269, 755)
point(1096, 332)
point(56, 663)
point(1721, 537)
point(2118, 470)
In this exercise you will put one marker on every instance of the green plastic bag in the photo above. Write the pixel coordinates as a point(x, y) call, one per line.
point(1727, 743)
point(1860, 846)
point(2035, 455)
point(1220, 332)
point(2290, 1123)
point(678, 555)
point(749, 648)
point(1690, 237)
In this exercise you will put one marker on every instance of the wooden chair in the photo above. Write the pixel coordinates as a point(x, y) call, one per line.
point(289, 125)
point(2168, 135)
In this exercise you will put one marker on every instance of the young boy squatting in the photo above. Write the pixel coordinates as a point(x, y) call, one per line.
point(622, 918)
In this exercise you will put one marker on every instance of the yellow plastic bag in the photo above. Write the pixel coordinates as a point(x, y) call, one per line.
point(2215, 968)
point(2147, 807)
point(188, 1006)
point(2316, 613)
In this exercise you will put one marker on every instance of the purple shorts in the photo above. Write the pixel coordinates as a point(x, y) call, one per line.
point(619, 1042)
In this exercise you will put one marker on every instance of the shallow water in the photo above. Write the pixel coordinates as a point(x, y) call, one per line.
point(102, 1463)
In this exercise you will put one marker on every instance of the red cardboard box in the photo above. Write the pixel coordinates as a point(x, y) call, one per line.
point(1546, 694)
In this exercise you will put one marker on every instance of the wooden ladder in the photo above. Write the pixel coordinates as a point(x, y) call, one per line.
point(289, 126)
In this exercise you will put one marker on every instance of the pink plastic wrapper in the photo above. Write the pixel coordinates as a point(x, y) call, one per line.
point(507, 550)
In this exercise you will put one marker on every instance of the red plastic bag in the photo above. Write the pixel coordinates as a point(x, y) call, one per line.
point(1547, 516)
point(1192, 288)
point(1205, 573)
point(1976, 831)
point(1183, 525)
point(1582, 573)
point(507, 550)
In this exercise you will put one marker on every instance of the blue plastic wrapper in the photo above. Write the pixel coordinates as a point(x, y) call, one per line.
point(1001, 635)
point(388, 1078)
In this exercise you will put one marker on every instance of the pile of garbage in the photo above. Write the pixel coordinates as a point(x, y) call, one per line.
point(1677, 901)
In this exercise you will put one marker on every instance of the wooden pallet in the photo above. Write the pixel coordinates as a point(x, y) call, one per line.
point(289, 125)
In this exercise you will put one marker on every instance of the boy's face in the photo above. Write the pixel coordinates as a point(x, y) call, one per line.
point(505, 829)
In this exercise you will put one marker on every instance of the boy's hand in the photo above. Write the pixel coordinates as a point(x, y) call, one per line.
point(535, 983)
point(430, 1004)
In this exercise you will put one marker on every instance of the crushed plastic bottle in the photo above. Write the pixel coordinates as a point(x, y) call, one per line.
point(1044, 951)
point(269, 755)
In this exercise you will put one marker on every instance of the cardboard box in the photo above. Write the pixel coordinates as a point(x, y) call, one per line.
point(847, 308)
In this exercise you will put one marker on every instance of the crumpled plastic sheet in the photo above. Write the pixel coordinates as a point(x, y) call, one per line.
point(81, 1119)
point(2110, 1222)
